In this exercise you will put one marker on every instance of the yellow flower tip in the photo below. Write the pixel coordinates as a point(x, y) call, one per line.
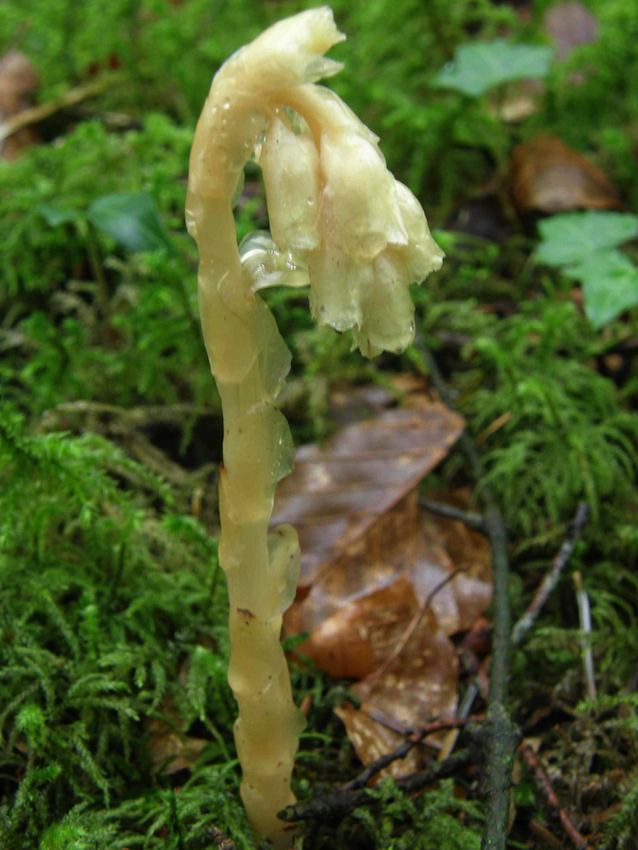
point(312, 32)
point(336, 209)
point(291, 51)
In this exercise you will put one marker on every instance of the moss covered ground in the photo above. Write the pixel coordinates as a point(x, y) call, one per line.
point(112, 606)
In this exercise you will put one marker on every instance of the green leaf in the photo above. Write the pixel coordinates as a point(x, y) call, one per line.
point(567, 238)
point(610, 285)
point(480, 66)
point(130, 219)
point(56, 215)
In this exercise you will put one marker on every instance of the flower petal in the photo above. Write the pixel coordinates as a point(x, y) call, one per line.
point(360, 209)
point(290, 167)
point(336, 280)
point(422, 255)
point(387, 311)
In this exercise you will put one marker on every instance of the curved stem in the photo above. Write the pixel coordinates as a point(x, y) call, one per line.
point(363, 238)
point(249, 360)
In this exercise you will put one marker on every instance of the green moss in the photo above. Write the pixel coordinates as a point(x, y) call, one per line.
point(112, 609)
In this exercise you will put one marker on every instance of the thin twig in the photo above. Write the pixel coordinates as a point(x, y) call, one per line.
point(542, 594)
point(471, 520)
point(401, 751)
point(584, 615)
point(531, 760)
point(35, 114)
point(136, 417)
point(539, 830)
point(463, 714)
point(336, 804)
point(499, 731)
point(552, 577)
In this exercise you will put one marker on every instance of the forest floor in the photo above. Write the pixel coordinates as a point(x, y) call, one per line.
point(466, 656)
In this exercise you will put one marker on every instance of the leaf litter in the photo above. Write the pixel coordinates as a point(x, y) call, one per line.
point(383, 587)
point(549, 176)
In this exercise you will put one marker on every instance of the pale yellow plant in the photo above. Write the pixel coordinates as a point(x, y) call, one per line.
point(341, 223)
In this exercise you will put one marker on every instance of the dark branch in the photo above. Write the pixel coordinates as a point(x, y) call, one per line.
point(472, 520)
point(499, 734)
point(544, 783)
point(401, 751)
point(335, 805)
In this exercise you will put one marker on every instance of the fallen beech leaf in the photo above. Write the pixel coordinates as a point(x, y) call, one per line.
point(549, 176)
point(336, 494)
point(353, 404)
point(350, 404)
point(569, 25)
point(371, 740)
point(418, 685)
point(380, 593)
point(18, 83)
point(400, 543)
point(170, 752)
point(372, 624)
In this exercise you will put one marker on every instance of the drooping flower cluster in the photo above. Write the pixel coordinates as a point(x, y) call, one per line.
point(338, 213)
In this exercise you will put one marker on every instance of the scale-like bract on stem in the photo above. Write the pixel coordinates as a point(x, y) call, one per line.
point(341, 223)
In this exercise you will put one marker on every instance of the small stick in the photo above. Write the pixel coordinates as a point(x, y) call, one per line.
point(335, 805)
point(135, 417)
point(542, 594)
point(584, 615)
point(552, 577)
point(401, 751)
point(464, 715)
point(500, 732)
point(471, 520)
point(410, 630)
point(541, 831)
point(544, 783)
point(70, 98)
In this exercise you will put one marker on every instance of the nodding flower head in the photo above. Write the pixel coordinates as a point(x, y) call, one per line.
point(336, 212)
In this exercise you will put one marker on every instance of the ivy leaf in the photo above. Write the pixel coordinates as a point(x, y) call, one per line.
point(567, 238)
point(54, 216)
point(482, 65)
point(610, 285)
point(131, 219)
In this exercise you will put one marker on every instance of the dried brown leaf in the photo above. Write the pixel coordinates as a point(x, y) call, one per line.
point(424, 550)
point(418, 685)
point(170, 752)
point(569, 25)
point(338, 493)
point(18, 83)
point(380, 593)
point(371, 740)
point(354, 640)
point(548, 175)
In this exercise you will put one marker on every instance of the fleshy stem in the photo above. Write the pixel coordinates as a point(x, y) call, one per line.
point(260, 568)
point(341, 223)
point(249, 361)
